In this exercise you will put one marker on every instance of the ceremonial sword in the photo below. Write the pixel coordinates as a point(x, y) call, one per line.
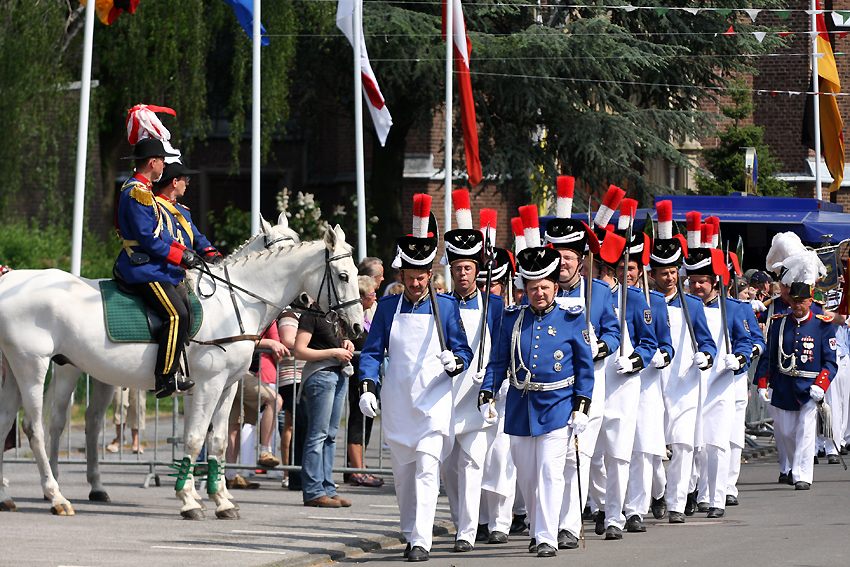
point(686, 313)
point(435, 309)
point(625, 290)
point(485, 298)
point(589, 278)
point(723, 293)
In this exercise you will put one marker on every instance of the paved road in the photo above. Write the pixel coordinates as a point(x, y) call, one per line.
point(774, 525)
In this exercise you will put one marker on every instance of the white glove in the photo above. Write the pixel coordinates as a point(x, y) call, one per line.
point(731, 362)
point(447, 359)
point(659, 360)
point(764, 395)
point(816, 392)
point(594, 348)
point(478, 377)
point(488, 412)
point(757, 306)
point(578, 421)
point(368, 404)
point(624, 365)
point(701, 360)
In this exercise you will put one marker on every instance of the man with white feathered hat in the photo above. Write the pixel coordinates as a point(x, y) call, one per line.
point(800, 360)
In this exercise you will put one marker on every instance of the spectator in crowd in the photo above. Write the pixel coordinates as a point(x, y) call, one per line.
point(323, 383)
point(374, 268)
point(128, 409)
point(289, 379)
point(760, 281)
point(395, 289)
point(397, 280)
point(359, 426)
point(439, 284)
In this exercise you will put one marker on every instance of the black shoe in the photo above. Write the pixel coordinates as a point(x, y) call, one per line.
point(546, 550)
point(406, 551)
point(676, 518)
point(731, 500)
point(461, 546)
point(418, 553)
point(801, 485)
point(817, 461)
point(783, 478)
point(635, 524)
point(532, 546)
point(833, 459)
point(691, 504)
point(497, 537)
point(821, 453)
point(843, 450)
point(599, 529)
point(658, 507)
point(586, 515)
point(518, 524)
point(790, 479)
point(716, 513)
point(165, 386)
point(703, 507)
point(566, 540)
point(183, 385)
point(613, 532)
point(483, 534)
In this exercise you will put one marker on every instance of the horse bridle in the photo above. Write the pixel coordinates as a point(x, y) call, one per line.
point(327, 277)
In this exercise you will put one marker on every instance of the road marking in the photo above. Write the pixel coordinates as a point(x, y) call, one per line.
point(383, 505)
point(200, 548)
point(393, 520)
point(717, 523)
point(317, 534)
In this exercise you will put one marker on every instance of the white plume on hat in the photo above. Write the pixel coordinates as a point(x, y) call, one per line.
point(800, 264)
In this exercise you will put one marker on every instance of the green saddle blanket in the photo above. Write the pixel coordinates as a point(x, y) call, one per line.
point(126, 316)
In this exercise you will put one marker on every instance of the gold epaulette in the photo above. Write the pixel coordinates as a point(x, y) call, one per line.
point(142, 195)
point(825, 318)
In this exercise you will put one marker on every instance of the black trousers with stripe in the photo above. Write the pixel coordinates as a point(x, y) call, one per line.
point(171, 303)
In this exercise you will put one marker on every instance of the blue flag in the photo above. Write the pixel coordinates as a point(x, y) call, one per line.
point(244, 10)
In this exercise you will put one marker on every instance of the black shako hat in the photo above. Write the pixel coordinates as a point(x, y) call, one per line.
point(149, 148)
point(666, 253)
point(698, 262)
point(415, 253)
point(567, 234)
point(539, 263)
point(503, 266)
point(464, 244)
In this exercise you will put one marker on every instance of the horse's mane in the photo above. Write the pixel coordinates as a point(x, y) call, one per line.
point(232, 259)
point(286, 232)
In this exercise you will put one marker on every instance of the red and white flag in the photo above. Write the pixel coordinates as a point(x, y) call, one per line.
point(462, 52)
point(377, 106)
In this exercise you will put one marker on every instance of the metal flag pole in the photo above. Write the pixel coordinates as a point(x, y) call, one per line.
point(255, 122)
point(82, 144)
point(450, 40)
point(357, 24)
point(815, 85)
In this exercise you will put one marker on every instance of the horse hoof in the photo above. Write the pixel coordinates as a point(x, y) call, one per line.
point(229, 514)
point(99, 496)
point(8, 506)
point(192, 514)
point(62, 510)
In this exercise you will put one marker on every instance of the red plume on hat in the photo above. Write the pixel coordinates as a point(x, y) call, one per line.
point(694, 220)
point(609, 205)
point(463, 211)
point(564, 203)
point(715, 231)
point(530, 225)
point(487, 224)
point(706, 235)
point(519, 234)
point(628, 210)
point(421, 214)
point(665, 219)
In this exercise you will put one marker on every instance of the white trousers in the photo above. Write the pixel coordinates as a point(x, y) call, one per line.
point(597, 481)
point(679, 473)
point(519, 508)
point(639, 486)
point(734, 470)
point(782, 453)
point(714, 472)
point(659, 478)
point(616, 480)
point(836, 397)
point(573, 503)
point(462, 480)
point(540, 475)
point(495, 511)
point(417, 486)
point(799, 429)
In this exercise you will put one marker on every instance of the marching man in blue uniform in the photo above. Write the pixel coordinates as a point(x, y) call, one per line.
point(463, 470)
point(544, 353)
point(152, 261)
point(800, 360)
point(416, 392)
point(680, 381)
point(706, 268)
point(571, 238)
point(609, 474)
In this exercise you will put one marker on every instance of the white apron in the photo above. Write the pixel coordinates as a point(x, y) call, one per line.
point(416, 393)
point(621, 403)
point(499, 470)
point(680, 383)
point(718, 394)
point(587, 438)
point(468, 421)
point(649, 429)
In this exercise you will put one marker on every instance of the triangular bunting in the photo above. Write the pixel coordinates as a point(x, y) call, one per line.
point(785, 34)
point(723, 11)
point(661, 11)
point(752, 12)
point(730, 31)
point(629, 8)
point(692, 11)
point(784, 14)
point(760, 35)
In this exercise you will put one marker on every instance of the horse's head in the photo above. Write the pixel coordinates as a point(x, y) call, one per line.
point(338, 293)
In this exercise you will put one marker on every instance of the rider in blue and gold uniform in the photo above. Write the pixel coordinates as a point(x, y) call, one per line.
point(152, 262)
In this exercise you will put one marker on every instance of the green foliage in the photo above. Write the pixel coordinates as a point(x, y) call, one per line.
point(30, 246)
point(231, 226)
point(725, 163)
point(304, 213)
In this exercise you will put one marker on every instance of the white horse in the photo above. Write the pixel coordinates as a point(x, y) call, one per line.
point(65, 378)
point(48, 314)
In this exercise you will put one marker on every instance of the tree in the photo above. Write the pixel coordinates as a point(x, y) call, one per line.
point(725, 163)
point(591, 91)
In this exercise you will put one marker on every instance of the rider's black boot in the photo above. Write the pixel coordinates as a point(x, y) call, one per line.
point(165, 385)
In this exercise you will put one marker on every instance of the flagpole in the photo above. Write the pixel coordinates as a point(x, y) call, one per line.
point(450, 40)
point(815, 84)
point(82, 143)
point(255, 122)
point(357, 24)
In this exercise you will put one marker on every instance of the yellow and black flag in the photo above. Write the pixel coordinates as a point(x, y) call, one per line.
point(832, 139)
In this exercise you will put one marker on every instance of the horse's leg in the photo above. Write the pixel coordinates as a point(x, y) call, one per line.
point(197, 416)
point(226, 506)
point(10, 401)
point(58, 399)
point(101, 397)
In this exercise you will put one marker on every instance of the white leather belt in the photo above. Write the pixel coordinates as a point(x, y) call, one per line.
point(801, 373)
point(542, 386)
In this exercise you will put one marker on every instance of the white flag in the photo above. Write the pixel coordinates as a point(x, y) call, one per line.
point(377, 106)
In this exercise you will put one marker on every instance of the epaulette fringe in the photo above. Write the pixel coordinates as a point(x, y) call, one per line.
point(142, 196)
